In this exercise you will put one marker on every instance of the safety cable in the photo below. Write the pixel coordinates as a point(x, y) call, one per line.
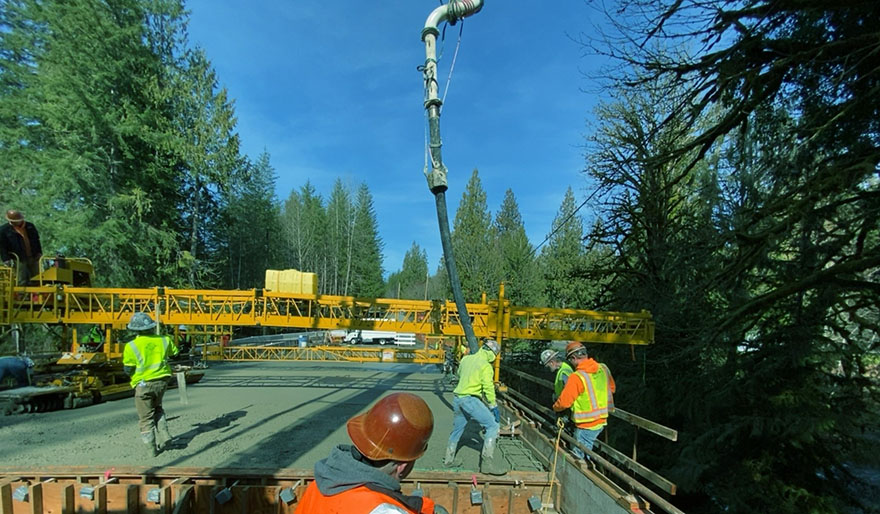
point(560, 422)
point(452, 66)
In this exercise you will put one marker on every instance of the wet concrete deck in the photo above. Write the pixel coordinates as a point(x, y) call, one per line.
point(262, 414)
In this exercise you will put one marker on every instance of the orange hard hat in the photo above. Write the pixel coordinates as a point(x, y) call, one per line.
point(574, 347)
point(396, 427)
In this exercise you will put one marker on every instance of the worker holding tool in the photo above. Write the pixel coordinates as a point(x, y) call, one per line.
point(589, 395)
point(365, 477)
point(475, 382)
point(145, 360)
point(550, 358)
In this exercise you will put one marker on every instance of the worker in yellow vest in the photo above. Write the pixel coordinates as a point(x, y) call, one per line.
point(589, 394)
point(550, 358)
point(476, 382)
point(145, 360)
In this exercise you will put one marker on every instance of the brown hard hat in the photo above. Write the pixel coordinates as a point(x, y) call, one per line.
point(574, 347)
point(14, 215)
point(396, 427)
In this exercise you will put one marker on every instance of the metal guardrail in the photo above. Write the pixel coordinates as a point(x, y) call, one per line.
point(545, 413)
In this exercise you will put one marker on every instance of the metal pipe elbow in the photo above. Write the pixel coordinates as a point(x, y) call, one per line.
point(451, 12)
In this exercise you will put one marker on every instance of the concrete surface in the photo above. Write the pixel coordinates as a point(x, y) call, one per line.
point(261, 414)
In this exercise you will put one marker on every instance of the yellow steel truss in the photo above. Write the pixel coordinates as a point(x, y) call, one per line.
point(326, 353)
point(255, 307)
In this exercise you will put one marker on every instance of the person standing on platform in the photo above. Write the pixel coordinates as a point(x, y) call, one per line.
point(475, 382)
point(589, 394)
point(20, 239)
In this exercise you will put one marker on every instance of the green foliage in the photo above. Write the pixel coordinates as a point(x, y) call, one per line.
point(562, 258)
point(476, 257)
point(412, 279)
point(738, 194)
point(520, 271)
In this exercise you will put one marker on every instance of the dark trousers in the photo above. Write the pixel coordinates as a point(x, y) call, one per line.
point(148, 402)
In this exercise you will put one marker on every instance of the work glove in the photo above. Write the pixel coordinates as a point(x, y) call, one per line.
point(496, 413)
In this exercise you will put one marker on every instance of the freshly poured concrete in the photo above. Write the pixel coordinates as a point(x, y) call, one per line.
point(241, 415)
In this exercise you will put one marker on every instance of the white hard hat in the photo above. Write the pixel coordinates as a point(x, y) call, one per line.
point(182, 328)
point(492, 345)
point(548, 355)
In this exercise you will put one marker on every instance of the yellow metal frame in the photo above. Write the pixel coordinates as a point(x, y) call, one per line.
point(325, 353)
point(495, 319)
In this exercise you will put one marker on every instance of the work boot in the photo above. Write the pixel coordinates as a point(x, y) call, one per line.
point(449, 459)
point(164, 436)
point(489, 463)
point(149, 438)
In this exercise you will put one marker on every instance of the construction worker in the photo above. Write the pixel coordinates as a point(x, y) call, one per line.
point(550, 358)
point(145, 360)
point(365, 477)
point(475, 382)
point(17, 369)
point(20, 239)
point(589, 395)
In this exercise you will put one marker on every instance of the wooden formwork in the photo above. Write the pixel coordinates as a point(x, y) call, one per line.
point(226, 491)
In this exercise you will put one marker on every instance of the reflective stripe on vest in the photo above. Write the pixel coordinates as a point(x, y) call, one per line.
point(360, 499)
point(141, 365)
point(596, 400)
point(150, 359)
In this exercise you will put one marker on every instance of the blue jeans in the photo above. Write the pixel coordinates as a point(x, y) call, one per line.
point(587, 438)
point(465, 408)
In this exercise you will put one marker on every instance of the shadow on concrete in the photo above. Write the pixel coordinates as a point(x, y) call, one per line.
point(303, 432)
point(222, 423)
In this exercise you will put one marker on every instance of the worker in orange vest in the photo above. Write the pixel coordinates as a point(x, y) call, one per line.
point(365, 478)
point(588, 393)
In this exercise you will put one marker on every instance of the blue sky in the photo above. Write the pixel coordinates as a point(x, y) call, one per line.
point(330, 90)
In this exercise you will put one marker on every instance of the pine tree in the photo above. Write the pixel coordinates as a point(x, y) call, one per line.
point(340, 223)
point(563, 257)
point(519, 264)
point(412, 280)
point(367, 265)
point(476, 256)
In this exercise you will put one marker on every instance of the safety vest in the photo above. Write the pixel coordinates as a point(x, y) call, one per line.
point(361, 500)
point(148, 354)
point(561, 374)
point(476, 376)
point(592, 406)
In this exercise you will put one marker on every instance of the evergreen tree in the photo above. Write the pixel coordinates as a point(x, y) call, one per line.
point(476, 257)
point(412, 280)
point(90, 163)
point(340, 223)
point(208, 148)
point(778, 109)
point(251, 218)
point(367, 266)
point(520, 268)
point(562, 258)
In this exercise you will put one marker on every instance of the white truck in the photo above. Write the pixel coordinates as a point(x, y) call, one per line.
point(380, 337)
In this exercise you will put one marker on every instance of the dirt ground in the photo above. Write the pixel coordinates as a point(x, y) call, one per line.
point(241, 415)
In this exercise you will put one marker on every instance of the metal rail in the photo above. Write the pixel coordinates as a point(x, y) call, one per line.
point(633, 419)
